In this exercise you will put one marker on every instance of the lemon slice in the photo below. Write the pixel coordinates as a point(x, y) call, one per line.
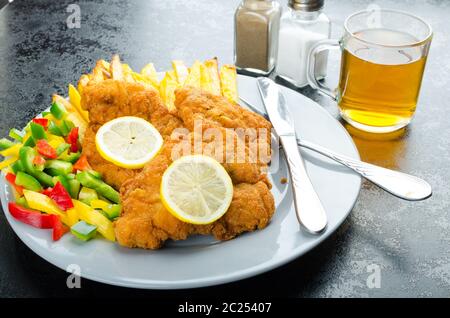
point(196, 189)
point(128, 142)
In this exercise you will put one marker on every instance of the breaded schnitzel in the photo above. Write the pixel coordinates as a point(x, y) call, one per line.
point(144, 221)
point(110, 99)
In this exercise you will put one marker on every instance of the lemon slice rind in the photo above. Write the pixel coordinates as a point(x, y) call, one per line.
point(196, 189)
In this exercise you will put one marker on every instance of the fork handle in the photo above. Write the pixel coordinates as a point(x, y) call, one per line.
point(400, 184)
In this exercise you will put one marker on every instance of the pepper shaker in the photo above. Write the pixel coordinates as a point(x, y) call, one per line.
point(256, 26)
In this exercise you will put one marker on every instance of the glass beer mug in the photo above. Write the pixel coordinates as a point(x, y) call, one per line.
point(383, 59)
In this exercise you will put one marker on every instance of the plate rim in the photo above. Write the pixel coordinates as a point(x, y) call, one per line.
point(211, 280)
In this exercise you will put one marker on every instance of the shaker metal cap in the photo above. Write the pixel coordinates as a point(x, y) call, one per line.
point(306, 5)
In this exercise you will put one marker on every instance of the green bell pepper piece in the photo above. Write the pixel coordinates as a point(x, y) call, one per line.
point(43, 114)
point(58, 111)
point(83, 231)
point(86, 195)
point(37, 131)
point(112, 211)
point(17, 166)
point(54, 129)
point(58, 167)
point(5, 143)
point(95, 174)
point(65, 127)
point(16, 134)
point(28, 182)
point(61, 148)
point(44, 178)
point(23, 202)
point(72, 157)
point(74, 188)
point(26, 155)
point(30, 142)
point(87, 180)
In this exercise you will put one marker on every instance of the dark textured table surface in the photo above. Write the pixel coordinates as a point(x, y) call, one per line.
point(409, 242)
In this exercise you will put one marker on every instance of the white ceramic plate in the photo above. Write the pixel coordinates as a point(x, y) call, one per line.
point(201, 261)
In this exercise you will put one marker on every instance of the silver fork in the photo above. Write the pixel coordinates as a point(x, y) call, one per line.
point(400, 184)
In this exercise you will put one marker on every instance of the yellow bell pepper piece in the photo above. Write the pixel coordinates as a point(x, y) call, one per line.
point(89, 215)
point(49, 117)
point(11, 151)
point(72, 216)
point(7, 162)
point(54, 140)
point(71, 109)
point(75, 100)
point(99, 204)
point(43, 203)
point(79, 122)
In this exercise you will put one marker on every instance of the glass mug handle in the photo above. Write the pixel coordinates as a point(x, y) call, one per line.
point(318, 48)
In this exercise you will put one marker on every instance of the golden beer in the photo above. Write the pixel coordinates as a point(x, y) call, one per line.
point(380, 89)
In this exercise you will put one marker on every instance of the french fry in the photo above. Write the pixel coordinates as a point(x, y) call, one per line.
point(138, 78)
point(213, 69)
point(116, 68)
point(171, 74)
point(167, 91)
point(84, 80)
point(127, 73)
point(181, 71)
point(105, 65)
point(75, 100)
point(105, 69)
point(150, 74)
point(194, 76)
point(97, 73)
point(205, 79)
point(228, 82)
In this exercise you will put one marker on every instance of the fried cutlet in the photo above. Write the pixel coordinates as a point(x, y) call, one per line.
point(110, 99)
point(144, 221)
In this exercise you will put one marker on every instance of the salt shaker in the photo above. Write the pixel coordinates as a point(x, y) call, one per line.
point(302, 25)
point(256, 26)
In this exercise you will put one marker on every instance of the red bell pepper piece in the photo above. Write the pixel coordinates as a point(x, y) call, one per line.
point(47, 191)
point(41, 121)
point(44, 148)
point(72, 139)
point(38, 160)
point(82, 164)
point(12, 179)
point(59, 229)
point(39, 220)
point(61, 197)
point(31, 217)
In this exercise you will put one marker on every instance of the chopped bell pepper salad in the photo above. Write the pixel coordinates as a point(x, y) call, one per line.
point(54, 185)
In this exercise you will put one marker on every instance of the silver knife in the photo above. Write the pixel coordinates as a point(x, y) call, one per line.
point(402, 185)
point(309, 209)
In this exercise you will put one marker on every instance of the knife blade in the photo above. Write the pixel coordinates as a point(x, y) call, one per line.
point(310, 212)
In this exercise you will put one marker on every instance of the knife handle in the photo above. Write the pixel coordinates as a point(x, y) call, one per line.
point(309, 209)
